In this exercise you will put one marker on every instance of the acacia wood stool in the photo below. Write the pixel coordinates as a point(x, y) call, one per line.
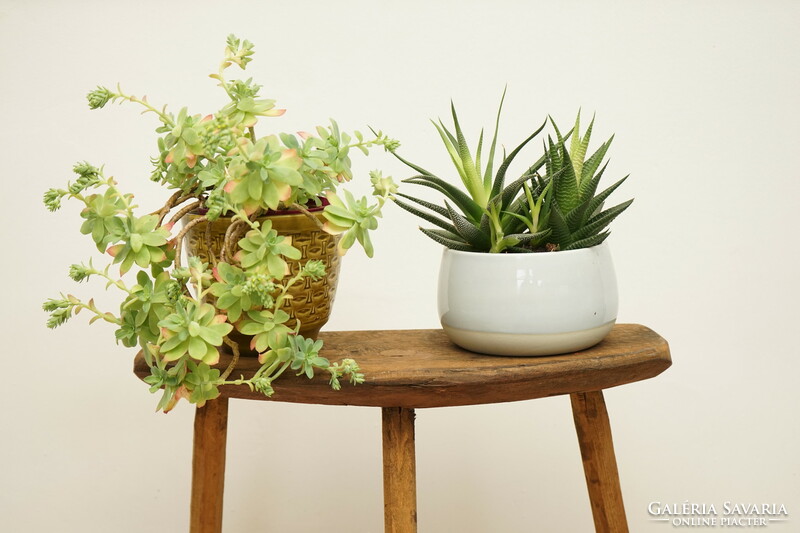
point(410, 369)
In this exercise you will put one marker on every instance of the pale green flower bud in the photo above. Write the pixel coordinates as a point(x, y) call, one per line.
point(99, 97)
point(52, 199)
point(79, 272)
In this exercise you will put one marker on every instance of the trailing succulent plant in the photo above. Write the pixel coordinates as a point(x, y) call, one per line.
point(552, 206)
point(179, 315)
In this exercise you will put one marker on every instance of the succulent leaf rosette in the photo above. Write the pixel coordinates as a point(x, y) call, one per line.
point(180, 313)
point(553, 205)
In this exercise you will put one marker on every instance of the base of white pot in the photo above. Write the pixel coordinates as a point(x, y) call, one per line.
point(521, 344)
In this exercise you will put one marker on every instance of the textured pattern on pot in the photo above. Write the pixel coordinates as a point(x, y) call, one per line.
point(528, 303)
point(311, 301)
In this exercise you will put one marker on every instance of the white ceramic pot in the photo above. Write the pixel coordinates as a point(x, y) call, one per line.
point(528, 304)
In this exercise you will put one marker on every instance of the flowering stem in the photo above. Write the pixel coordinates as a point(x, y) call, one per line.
point(166, 119)
point(108, 317)
point(111, 281)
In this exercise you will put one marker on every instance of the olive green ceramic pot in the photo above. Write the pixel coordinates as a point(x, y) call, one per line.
point(311, 301)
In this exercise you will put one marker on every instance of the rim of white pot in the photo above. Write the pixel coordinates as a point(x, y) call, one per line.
point(508, 256)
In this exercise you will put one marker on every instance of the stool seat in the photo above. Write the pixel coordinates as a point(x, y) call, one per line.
point(411, 369)
point(422, 368)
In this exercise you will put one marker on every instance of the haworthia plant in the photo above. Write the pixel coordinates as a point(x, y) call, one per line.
point(551, 206)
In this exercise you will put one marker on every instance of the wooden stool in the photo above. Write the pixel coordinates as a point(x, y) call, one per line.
point(411, 369)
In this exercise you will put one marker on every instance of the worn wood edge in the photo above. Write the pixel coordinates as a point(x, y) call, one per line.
point(467, 386)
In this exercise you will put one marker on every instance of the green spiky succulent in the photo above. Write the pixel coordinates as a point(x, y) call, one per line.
point(576, 215)
point(551, 206)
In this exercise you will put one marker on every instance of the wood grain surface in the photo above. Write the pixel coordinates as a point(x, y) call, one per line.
point(208, 466)
point(399, 471)
point(422, 368)
point(599, 462)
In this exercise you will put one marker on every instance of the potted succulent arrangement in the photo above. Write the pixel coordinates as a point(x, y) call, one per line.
point(525, 269)
point(263, 225)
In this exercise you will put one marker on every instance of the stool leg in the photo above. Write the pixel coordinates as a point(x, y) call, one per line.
point(599, 463)
point(208, 466)
point(399, 471)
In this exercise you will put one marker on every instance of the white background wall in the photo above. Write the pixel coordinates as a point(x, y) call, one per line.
point(703, 98)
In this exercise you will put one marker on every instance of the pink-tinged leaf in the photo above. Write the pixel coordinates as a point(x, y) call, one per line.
point(157, 256)
point(182, 392)
point(304, 135)
point(169, 158)
point(215, 273)
point(253, 345)
point(191, 159)
point(290, 156)
point(238, 256)
point(284, 191)
point(230, 186)
point(274, 112)
point(114, 250)
point(219, 319)
point(167, 334)
point(207, 118)
point(252, 207)
point(332, 229)
point(213, 360)
point(168, 226)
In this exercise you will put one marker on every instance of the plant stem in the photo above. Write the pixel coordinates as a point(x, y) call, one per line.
point(163, 116)
point(108, 317)
point(185, 210)
point(182, 234)
point(212, 259)
point(235, 348)
point(234, 232)
point(167, 207)
point(116, 282)
point(225, 251)
point(176, 199)
point(309, 214)
point(113, 187)
point(285, 288)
